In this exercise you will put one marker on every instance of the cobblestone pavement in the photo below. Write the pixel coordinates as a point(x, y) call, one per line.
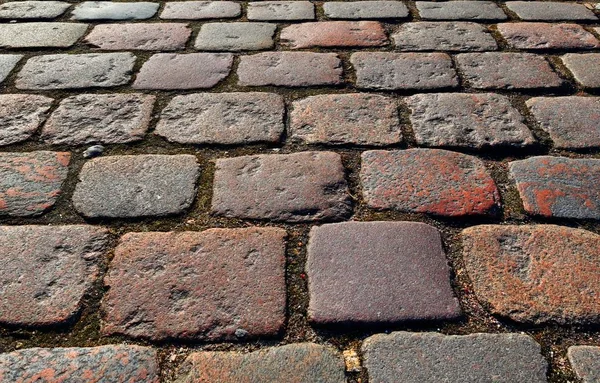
point(294, 191)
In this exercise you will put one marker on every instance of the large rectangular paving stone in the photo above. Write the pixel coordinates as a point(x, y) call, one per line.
point(584, 67)
point(444, 36)
point(145, 185)
point(299, 187)
point(585, 361)
point(550, 11)
point(431, 358)
point(198, 10)
point(40, 35)
point(7, 64)
point(21, 115)
point(281, 10)
point(369, 9)
point(378, 273)
point(32, 9)
point(219, 284)
point(235, 36)
point(108, 10)
point(535, 36)
point(139, 36)
point(329, 34)
point(460, 10)
point(47, 271)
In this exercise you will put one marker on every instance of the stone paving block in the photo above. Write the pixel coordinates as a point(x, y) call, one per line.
point(183, 71)
point(475, 121)
point(298, 187)
point(139, 36)
point(373, 9)
point(136, 186)
point(507, 70)
point(429, 181)
point(236, 36)
point(21, 115)
point(33, 9)
point(7, 64)
point(113, 363)
point(72, 71)
point(534, 36)
point(294, 69)
point(444, 36)
point(585, 361)
point(390, 71)
point(108, 10)
point(432, 357)
point(40, 35)
point(99, 118)
point(460, 10)
point(584, 67)
point(550, 11)
point(31, 182)
point(330, 34)
point(535, 273)
point(378, 273)
point(198, 10)
point(223, 118)
point(219, 284)
point(558, 186)
point(572, 122)
point(47, 270)
point(281, 10)
point(353, 118)
point(298, 362)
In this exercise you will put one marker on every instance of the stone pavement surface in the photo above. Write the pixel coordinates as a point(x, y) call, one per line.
point(300, 191)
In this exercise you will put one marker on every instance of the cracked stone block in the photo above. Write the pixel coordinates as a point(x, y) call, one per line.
point(40, 35)
point(534, 36)
point(333, 34)
point(585, 361)
point(460, 10)
point(373, 9)
point(444, 36)
point(108, 10)
point(281, 10)
point(21, 115)
point(198, 10)
point(235, 36)
point(139, 36)
point(33, 9)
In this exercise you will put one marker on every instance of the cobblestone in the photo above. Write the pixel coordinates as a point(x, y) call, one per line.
point(139, 36)
point(21, 115)
point(107, 10)
point(281, 10)
point(334, 34)
point(7, 64)
point(534, 36)
point(460, 10)
point(582, 66)
point(444, 36)
point(585, 361)
point(33, 9)
point(40, 35)
point(236, 36)
point(372, 9)
point(198, 10)
point(550, 11)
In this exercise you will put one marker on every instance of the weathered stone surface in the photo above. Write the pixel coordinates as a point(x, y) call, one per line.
point(334, 34)
point(281, 10)
point(298, 187)
point(47, 270)
point(235, 36)
point(460, 10)
point(432, 357)
point(38, 35)
point(476, 120)
point(139, 36)
point(210, 285)
point(507, 70)
point(378, 273)
point(132, 364)
point(7, 64)
point(550, 11)
point(197, 10)
point(136, 186)
point(353, 118)
point(430, 181)
point(298, 362)
point(572, 122)
point(547, 36)
point(99, 118)
point(585, 361)
point(33, 9)
point(444, 36)
point(584, 68)
point(535, 273)
point(223, 118)
point(183, 71)
point(21, 115)
point(108, 10)
point(64, 71)
point(389, 71)
point(31, 182)
point(290, 69)
point(558, 186)
point(374, 9)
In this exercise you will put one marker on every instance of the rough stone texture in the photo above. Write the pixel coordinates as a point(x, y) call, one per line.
point(334, 34)
point(585, 361)
point(584, 68)
point(354, 118)
point(223, 118)
point(572, 122)
point(107, 10)
point(431, 357)
point(298, 187)
point(21, 115)
point(235, 36)
point(38, 35)
point(298, 362)
point(140, 36)
point(183, 71)
point(64, 71)
point(507, 70)
point(476, 121)
point(460, 10)
point(33, 9)
point(197, 10)
point(378, 272)
point(136, 185)
point(430, 181)
point(281, 10)
point(46, 272)
point(7, 63)
point(389, 71)
point(131, 364)
point(210, 285)
point(558, 186)
point(31, 182)
point(290, 69)
point(535, 273)
point(99, 118)
point(550, 11)
point(547, 36)
point(444, 36)
point(373, 9)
